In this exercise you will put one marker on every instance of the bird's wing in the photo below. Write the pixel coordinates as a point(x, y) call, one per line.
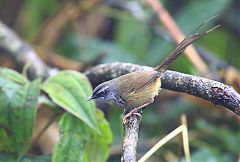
point(148, 79)
point(136, 81)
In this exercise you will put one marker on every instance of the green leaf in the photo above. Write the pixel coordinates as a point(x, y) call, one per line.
point(13, 76)
point(69, 89)
point(18, 105)
point(23, 114)
point(80, 143)
point(98, 146)
point(74, 137)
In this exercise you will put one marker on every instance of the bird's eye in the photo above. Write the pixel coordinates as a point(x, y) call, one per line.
point(101, 93)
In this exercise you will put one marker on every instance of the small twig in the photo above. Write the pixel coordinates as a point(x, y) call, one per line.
point(176, 34)
point(130, 139)
point(47, 125)
point(50, 31)
point(185, 138)
point(59, 61)
point(178, 130)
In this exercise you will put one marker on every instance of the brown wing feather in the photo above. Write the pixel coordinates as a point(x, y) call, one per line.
point(139, 87)
point(150, 78)
point(139, 80)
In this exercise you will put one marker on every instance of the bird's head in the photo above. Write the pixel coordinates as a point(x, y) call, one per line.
point(107, 93)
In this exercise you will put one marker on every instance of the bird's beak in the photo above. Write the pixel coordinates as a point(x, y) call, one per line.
point(89, 98)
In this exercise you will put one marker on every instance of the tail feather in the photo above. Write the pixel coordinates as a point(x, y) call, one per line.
point(189, 39)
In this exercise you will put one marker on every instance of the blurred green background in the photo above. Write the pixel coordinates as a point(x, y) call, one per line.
point(69, 34)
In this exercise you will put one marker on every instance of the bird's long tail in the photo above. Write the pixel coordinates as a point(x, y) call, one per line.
point(189, 39)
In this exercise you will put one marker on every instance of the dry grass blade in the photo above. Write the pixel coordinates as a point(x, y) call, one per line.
point(181, 129)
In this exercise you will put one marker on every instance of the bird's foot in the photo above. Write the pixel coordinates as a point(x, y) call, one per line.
point(134, 111)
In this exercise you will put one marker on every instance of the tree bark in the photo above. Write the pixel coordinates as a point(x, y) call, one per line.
point(207, 89)
point(130, 138)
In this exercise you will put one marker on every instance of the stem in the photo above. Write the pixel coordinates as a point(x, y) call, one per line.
point(130, 138)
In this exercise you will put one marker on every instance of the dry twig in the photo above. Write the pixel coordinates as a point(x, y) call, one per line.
point(181, 129)
point(176, 34)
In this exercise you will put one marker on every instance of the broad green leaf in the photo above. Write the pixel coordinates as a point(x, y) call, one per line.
point(13, 76)
point(74, 138)
point(80, 143)
point(23, 114)
point(69, 89)
point(18, 105)
point(99, 145)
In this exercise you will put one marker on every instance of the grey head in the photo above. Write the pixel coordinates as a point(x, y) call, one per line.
point(107, 93)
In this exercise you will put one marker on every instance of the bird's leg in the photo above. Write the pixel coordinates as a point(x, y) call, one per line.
point(134, 111)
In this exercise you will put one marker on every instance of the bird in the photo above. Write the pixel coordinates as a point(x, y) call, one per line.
point(136, 90)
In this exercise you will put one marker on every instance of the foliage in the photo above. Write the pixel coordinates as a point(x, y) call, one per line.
point(18, 111)
point(84, 131)
point(79, 143)
point(134, 36)
point(69, 90)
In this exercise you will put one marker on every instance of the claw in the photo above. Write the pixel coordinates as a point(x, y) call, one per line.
point(133, 112)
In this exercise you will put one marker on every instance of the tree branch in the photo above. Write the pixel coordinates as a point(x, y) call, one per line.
point(22, 52)
point(207, 89)
point(213, 91)
point(130, 138)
